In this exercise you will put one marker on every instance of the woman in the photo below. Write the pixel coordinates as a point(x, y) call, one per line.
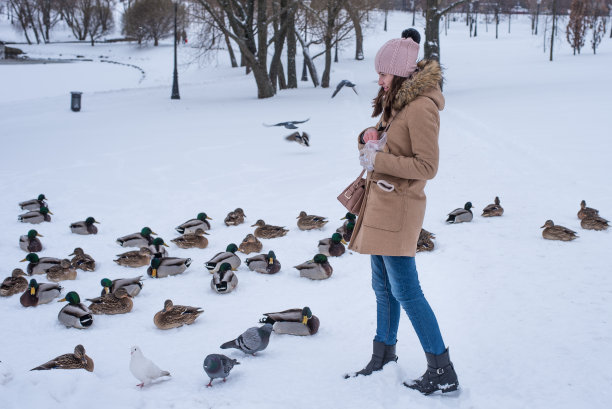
point(401, 154)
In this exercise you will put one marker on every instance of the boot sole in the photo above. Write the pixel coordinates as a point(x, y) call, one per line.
point(450, 389)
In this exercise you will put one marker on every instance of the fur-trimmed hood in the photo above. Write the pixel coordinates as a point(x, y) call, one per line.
point(425, 81)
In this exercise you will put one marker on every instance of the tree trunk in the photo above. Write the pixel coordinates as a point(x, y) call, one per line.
point(554, 20)
point(291, 51)
point(230, 50)
point(280, 30)
point(413, 12)
point(354, 16)
point(432, 31)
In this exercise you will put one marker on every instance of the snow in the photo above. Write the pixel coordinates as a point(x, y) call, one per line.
point(527, 320)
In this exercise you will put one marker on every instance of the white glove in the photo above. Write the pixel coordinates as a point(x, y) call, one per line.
point(367, 155)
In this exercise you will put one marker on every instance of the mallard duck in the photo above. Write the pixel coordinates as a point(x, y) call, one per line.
point(267, 231)
point(78, 360)
point(85, 227)
point(227, 256)
point(190, 226)
point(333, 246)
point(191, 240)
point(34, 204)
point(37, 294)
point(62, 271)
point(310, 221)
point(235, 218)
point(75, 314)
point(14, 284)
point(30, 243)
point(137, 239)
point(555, 232)
point(40, 265)
point(346, 230)
point(82, 260)
point(224, 280)
point(425, 241)
point(296, 321)
point(586, 211)
point(132, 285)
point(461, 215)
point(494, 209)
point(135, 258)
point(158, 247)
point(36, 216)
point(264, 263)
point(250, 244)
point(117, 302)
point(167, 266)
point(594, 223)
point(174, 316)
point(316, 269)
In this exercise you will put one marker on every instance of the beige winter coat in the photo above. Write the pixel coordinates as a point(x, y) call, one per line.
point(389, 222)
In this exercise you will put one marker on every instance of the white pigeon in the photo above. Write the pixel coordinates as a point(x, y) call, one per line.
point(143, 368)
point(6, 374)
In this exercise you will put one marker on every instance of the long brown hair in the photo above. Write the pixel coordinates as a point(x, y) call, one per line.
point(384, 100)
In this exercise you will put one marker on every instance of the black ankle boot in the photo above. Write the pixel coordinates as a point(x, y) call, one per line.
point(389, 355)
point(439, 376)
point(376, 363)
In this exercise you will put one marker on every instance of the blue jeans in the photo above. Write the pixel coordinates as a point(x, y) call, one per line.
point(396, 283)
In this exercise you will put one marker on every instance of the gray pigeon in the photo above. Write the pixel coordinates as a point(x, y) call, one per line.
point(344, 83)
point(288, 124)
point(252, 340)
point(218, 366)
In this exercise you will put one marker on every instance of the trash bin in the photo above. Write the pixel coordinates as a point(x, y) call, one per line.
point(75, 101)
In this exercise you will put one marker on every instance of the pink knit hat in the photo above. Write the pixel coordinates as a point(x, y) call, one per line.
point(397, 57)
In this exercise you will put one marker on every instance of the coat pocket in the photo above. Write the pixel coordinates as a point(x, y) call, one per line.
point(384, 209)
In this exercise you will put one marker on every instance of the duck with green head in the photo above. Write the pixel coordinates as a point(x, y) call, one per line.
point(36, 216)
point(14, 284)
point(461, 215)
point(264, 263)
point(85, 227)
point(117, 302)
point(167, 266)
point(141, 239)
point(191, 225)
point(316, 269)
point(40, 265)
point(333, 246)
point(227, 256)
point(82, 260)
point(346, 230)
point(132, 285)
point(135, 258)
point(158, 247)
point(34, 204)
point(192, 240)
point(30, 242)
point(75, 314)
point(224, 280)
point(78, 360)
point(37, 294)
point(296, 321)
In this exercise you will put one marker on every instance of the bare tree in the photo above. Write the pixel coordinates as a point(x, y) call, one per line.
point(432, 26)
point(102, 21)
point(78, 14)
point(23, 10)
point(577, 25)
point(150, 20)
point(597, 11)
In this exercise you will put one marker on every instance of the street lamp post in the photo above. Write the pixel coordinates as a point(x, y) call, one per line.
point(175, 88)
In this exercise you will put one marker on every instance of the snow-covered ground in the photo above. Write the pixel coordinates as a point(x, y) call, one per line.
point(527, 320)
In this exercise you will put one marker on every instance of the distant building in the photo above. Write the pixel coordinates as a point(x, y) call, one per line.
point(2, 50)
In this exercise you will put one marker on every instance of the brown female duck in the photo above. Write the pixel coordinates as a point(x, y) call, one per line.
point(555, 232)
point(14, 284)
point(77, 360)
point(117, 302)
point(494, 209)
point(267, 231)
point(135, 258)
point(192, 240)
point(174, 316)
point(310, 221)
point(235, 218)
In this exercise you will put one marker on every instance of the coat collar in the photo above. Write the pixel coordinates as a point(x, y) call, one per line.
point(425, 81)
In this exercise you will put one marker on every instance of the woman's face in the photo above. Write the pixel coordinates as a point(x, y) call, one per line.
point(384, 80)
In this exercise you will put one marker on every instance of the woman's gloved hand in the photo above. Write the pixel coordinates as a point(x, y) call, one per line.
point(367, 155)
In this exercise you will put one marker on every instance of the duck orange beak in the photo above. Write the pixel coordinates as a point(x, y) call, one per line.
point(304, 320)
point(107, 290)
point(32, 291)
point(154, 273)
point(62, 300)
point(27, 259)
point(39, 235)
